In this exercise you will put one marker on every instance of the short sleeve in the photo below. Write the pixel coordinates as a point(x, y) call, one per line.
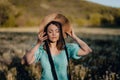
point(38, 53)
point(73, 50)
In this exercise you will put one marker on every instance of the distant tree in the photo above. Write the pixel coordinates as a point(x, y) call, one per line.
point(104, 21)
point(8, 14)
point(4, 13)
point(117, 20)
point(95, 19)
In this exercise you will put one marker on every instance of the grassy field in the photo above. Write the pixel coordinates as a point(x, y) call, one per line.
point(102, 64)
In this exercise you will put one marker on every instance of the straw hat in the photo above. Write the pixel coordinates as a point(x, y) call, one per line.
point(66, 27)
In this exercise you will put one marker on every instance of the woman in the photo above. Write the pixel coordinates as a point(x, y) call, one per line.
point(53, 36)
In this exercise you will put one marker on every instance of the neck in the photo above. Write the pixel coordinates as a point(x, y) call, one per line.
point(53, 45)
point(53, 48)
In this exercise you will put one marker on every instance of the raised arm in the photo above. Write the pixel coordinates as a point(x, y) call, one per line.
point(29, 56)
point(85, 49)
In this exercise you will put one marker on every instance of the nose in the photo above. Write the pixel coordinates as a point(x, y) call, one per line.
point(54, 33)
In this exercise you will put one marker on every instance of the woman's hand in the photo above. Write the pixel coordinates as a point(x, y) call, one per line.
point(85, 49)
point(72, 34)
point(41, 37)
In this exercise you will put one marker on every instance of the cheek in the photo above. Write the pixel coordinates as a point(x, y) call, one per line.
point(58, 35)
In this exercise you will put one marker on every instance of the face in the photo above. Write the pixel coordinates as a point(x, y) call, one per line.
point(53, 33)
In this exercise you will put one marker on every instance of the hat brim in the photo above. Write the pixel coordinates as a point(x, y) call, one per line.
point(66, 27)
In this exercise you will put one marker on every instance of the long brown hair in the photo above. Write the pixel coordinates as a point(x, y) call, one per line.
point(60, 43)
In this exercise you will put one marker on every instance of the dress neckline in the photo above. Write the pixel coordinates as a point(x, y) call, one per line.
point(55, 55)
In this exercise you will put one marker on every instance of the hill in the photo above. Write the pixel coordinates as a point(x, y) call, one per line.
point(80, 12)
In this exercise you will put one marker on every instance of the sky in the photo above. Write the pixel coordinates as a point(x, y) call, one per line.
point(111, 3)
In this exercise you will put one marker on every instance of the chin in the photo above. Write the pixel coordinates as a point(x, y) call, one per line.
point(53, 41)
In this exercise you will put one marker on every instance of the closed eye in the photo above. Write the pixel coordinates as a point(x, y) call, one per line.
point(57, 30)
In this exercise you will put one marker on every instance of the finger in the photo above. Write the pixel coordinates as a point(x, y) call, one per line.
point(43, 33)
point(69, 34)
point(40, 33)
point(39, 37)
point(45, 38)
point(90, 49)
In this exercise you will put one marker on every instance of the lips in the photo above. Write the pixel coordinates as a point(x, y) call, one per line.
point(54, 37)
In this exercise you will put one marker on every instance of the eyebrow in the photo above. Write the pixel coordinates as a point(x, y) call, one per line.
point(52, 30)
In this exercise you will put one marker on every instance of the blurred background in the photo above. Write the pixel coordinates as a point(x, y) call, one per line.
point(97, 22)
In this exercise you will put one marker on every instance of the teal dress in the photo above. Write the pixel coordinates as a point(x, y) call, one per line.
point(60, 61)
